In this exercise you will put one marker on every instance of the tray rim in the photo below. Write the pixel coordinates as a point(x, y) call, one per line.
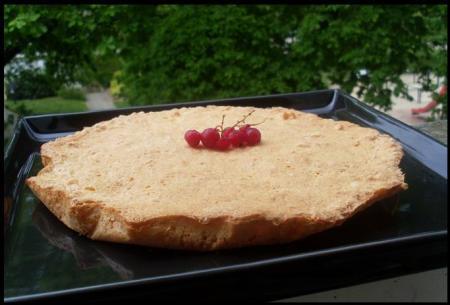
point(336, 94)
point(439, 235)
point(22, 124)
point(390, 118)
point(194, 103)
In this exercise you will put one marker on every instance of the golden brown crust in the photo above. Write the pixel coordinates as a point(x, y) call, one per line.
point(181, 232)
point(78, 202)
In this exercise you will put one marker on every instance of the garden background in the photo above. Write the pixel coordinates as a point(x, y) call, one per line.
point(68, 58)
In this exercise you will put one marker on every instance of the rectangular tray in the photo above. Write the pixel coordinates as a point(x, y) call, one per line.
point(47, 262)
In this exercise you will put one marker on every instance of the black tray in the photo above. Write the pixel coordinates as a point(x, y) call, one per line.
point(45, 261)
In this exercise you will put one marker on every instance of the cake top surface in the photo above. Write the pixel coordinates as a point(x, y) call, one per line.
point(141, 166)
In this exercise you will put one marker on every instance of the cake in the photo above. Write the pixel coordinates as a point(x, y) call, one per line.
point(133, 179)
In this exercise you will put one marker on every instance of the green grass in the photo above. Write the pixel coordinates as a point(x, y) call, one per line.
point(122, 104)
point(46, 105)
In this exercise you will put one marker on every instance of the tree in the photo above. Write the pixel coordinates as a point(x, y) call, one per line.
point(65, 36)
point(171, 53)
point(433, 60)
point(199, 52)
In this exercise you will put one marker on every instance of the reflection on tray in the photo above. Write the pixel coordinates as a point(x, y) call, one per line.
point(132, 262)
point(86, 254)
point(7, 203)
point(129, 261)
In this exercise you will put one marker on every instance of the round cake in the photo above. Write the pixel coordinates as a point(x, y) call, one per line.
point(134, 179)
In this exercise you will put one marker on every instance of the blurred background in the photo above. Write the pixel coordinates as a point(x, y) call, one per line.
point(70, 58)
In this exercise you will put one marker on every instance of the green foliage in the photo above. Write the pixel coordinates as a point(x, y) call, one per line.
point(342, 40)
point(105, 67)
point(99, 72)
point(63, 35)
point(116, 90)
point(70, 93)
point(200, 52)
point(122, 104)
point(171, 53)
point(116, 87)
point(441, 113)
point(442, 101)
point(434, 59)
point(45, 106)
point(29, 83)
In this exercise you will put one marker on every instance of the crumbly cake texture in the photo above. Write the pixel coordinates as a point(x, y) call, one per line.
point(134, 179)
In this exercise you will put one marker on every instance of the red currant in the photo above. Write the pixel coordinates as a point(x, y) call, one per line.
point(209, 137)
point(245, 127)
point(192, 137)
point(223, 144)
point(253, 136)
point(237, 138)
point(227, 131)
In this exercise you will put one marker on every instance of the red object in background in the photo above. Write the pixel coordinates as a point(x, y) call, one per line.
point(431, 104)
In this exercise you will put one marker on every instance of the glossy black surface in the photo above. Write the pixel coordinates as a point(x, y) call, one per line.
point(44, 260)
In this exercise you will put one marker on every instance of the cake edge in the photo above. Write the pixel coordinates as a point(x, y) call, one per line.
point(97, 222)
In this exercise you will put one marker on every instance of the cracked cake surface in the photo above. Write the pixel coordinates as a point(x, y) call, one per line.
point(133, 179)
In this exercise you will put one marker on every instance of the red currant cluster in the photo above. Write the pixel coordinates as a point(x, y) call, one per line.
point(238, 135)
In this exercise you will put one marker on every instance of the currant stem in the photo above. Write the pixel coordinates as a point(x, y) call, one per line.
point(220, 127)
point(243, 119)
point(257, 123)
